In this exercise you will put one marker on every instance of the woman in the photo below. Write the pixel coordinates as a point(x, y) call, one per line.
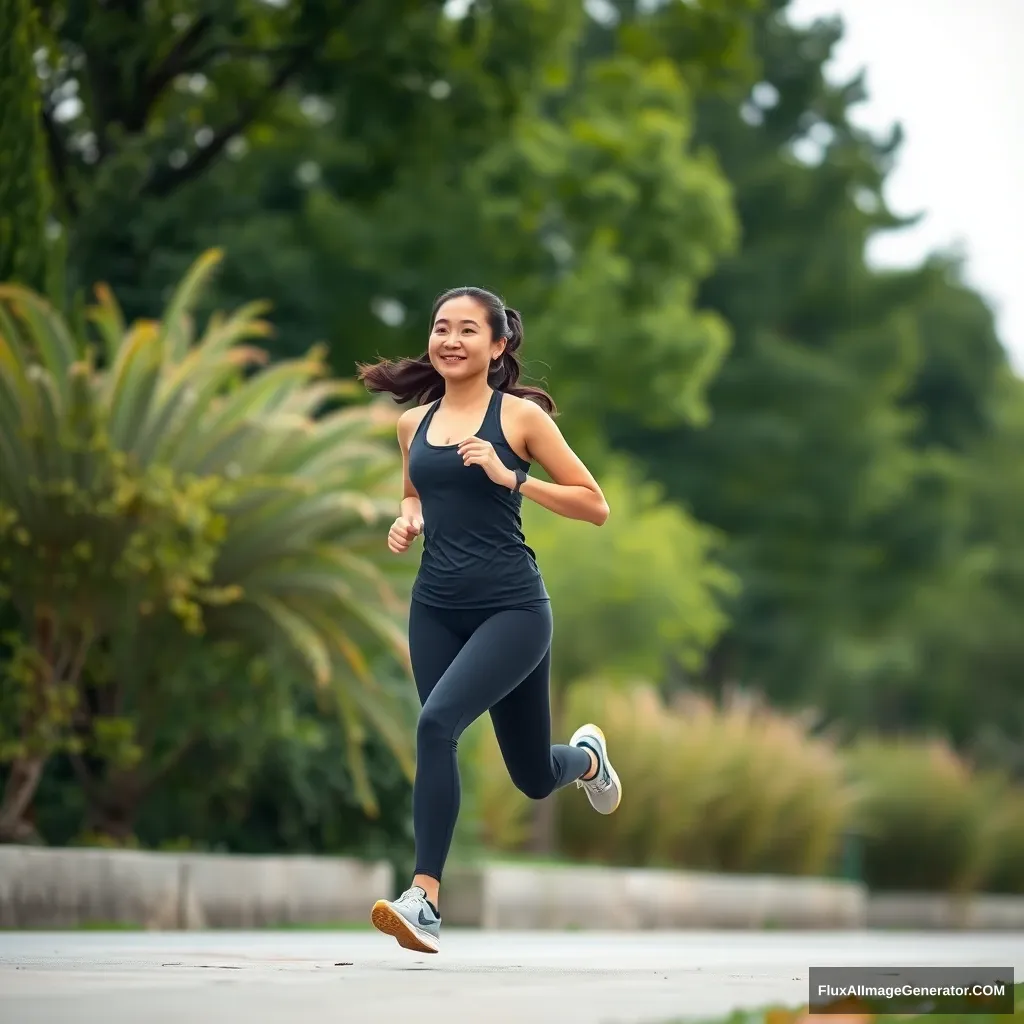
point(480, 618)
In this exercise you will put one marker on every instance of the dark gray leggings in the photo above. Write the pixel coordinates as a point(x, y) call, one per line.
point(466, 663)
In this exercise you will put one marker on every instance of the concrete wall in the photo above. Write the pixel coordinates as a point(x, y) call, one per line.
point(926, 911)
point(65, 888)
point(62, 888)
point(519, 896)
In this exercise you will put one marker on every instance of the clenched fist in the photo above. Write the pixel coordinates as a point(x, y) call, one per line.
point(475, 451)
point(402, 533)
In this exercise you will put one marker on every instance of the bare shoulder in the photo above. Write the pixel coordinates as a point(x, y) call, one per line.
point(409, 421)
point(522, 420)
point(525, 410)
point(526, 417)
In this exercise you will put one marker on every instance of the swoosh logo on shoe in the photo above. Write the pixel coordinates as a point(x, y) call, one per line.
point(424, 920)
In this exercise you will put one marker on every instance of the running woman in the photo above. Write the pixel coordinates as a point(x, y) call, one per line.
point(480, 620)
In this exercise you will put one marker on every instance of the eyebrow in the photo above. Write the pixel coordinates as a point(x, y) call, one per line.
point(444, 320)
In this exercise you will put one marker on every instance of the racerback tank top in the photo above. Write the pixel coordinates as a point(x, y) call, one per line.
point(474, 552)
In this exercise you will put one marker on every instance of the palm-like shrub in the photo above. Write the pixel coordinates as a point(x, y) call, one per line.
point(168, 501)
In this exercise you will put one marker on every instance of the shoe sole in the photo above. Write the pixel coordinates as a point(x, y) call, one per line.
point(386, 919)
point(584, 730)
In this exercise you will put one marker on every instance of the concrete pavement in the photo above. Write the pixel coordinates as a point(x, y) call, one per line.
point(499, 977)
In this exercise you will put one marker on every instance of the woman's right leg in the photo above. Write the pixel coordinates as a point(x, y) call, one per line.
point(434, 644)
point(414, 920)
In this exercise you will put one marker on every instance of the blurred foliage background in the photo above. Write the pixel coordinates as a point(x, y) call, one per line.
point(801, 621)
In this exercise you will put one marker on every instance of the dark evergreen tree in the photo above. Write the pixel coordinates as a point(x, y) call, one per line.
point(24, 185)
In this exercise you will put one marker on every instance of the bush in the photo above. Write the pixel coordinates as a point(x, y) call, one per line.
point(278, 783)
point(742, 788)
point(1005, 871)
point(925, 816)
point(294, 793)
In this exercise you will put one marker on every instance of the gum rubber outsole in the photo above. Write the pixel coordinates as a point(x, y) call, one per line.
point(386, 919)
point(618, 781)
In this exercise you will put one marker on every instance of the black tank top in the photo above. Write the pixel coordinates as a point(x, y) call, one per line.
point(474, 551)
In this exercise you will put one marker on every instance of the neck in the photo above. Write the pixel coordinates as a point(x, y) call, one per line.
point(466, 394)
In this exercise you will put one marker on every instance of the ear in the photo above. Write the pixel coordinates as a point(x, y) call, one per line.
point(498, 349)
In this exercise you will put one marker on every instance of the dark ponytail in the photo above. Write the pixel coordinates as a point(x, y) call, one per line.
point(408, 380)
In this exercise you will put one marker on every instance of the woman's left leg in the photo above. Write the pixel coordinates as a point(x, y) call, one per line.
point(522, 726)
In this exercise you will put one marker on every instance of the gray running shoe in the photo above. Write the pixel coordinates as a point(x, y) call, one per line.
point(604, 790)
point(410, 920)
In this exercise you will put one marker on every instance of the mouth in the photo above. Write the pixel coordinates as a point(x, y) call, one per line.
point(452, 360)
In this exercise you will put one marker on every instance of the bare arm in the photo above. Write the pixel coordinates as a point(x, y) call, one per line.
point(410, 507)
point(412, 510)
point(573, 492)
point(409, 524)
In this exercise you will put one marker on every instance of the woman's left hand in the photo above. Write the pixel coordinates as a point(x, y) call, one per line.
point(475, 451)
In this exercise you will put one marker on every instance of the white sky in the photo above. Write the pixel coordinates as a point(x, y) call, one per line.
point(952, 73)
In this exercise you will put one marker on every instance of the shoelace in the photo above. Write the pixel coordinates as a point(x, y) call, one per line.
point(411, 896)
point(601, 782)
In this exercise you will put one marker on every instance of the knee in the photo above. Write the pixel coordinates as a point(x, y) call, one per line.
point(535, 788)
point(433, 727)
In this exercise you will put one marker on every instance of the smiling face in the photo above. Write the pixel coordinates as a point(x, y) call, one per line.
point(461, 345)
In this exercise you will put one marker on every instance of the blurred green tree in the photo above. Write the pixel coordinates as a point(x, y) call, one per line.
point(25, 200)
point(492, 146)
point(831, 459)
point(968, 644)
point(590, 210)
point(642, 590)
point(142, 103)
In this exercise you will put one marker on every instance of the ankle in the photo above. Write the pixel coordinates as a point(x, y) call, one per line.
point(432, 887)
point(591, 772)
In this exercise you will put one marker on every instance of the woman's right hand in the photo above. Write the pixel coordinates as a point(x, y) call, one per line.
point(402, 533)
